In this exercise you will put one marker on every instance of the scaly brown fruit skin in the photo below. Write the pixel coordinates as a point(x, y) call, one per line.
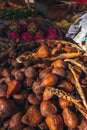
point(47, 94)
point(34, 99)
point(33, 116)
point(30, 72)
point(64, 103)
point(14, 86)
point(70, 119)
point(42, 52)
point(6, 108)
point(36, 87)
point(59, 63)
point(54, 122)
point(49, 80)
point(44, 72)
point(15, 121)
point(59, 71)
point(65, 85)
point(47, 108)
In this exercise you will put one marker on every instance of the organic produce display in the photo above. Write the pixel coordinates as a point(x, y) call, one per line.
point(43, 86)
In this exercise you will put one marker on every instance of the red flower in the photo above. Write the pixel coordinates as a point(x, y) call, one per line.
point(26, 36)
point(52, 34)
point(52, 31)
point(13, 36)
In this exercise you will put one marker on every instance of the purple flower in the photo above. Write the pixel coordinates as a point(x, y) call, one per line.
point(39, 35)
point(13, 36)
point(26, 36)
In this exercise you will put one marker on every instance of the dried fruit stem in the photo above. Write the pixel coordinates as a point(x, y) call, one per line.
point(78, 63)
point(78, 87)
point(66, 42)
point(70, 98)
point(64, 95)
point(66, 56)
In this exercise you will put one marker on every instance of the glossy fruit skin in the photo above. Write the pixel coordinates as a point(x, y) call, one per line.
point(70, 119)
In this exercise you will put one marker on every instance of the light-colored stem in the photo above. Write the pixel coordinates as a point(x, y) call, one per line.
point(78, 63)
point(70, 98)
point(78, 86)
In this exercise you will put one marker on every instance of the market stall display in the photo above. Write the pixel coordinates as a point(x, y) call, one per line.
point(45, 81)
point(43, 78)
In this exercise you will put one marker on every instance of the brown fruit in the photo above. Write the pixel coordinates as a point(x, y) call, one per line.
point(54, 122)
point(7, 108)
point(47, 108)
point(14, 86)
point(42, 52)
point(34, 99)
point(15, 121)
point(3, 90)
point(44, 72)
point(83, 125)
point(47, 94)
point(5, 72)
point(28, 83)
point(58, 71)
point(19, 98)
point(59, 63)
point(66, 86)
point(19, 75)
point(33, 116)
point(37, 89)
point(30, 72)
point(70, 77)
point(64, 103)
point(70, 119)
point(49, 80)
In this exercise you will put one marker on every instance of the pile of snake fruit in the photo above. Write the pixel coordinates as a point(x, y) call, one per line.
point(43, 86)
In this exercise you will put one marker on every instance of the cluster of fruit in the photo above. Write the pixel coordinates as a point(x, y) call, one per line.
point(43, 87)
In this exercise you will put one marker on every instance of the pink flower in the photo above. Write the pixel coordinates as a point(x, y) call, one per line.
point(26, 36)
point(39, 35)
point(52, 31)
point(13, 36)
point(52, 34)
